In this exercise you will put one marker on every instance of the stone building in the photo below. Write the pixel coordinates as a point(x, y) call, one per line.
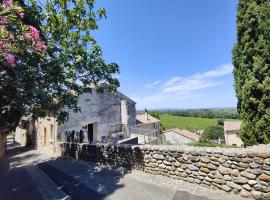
point(178, 137)
point(231, 133)
point(146, 121)
point(102, 114)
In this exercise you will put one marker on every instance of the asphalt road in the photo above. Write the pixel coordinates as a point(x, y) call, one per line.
point(26, 174)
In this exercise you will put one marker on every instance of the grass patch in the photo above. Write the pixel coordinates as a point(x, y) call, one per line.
point(189, 123)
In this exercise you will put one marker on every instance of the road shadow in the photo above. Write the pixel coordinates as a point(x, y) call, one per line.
point(15, 182)
point(13, 154)
point(84, 180)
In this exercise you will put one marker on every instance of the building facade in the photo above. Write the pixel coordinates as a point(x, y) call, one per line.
point(101, 115)
point(148, 122)
point(178, 137)
point(231, 133)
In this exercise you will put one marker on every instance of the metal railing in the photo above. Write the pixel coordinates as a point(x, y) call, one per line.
point(147, 134)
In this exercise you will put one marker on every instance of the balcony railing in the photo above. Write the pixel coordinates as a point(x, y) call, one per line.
point(145, 135)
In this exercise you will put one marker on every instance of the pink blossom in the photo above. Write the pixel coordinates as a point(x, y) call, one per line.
point(41, 47)
point(27, 36)
point(11, 37)
point(34, 32)
point(10, 60)
point(8, 3)
point(2, 44)
point(20, 14)
point(3, 19)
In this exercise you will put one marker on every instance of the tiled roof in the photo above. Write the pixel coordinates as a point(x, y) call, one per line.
point(142, 119)
point(185, 133)
point(232, 125)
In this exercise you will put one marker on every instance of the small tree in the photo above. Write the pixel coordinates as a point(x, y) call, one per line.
point(220, 122)
point(212, 133)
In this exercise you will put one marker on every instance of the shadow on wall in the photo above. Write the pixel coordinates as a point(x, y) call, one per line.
point(123, 155)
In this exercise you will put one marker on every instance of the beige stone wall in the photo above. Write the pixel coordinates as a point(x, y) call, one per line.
point(20, 136)
point(233, 138)
point(2, 144)
point(46, 132)
point(237, 170)
point(103, 110)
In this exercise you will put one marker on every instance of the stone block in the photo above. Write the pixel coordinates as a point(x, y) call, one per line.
point(226, 188)
point(193, 168)
point(204, 159)
point(233, 185)
point(235, 172)
point(252, 182)
point(267, 161)
point(264, 177)
point(240, 180)
point(224, 170)
point(176, 164)
point(258, 160)
point(245, 193)
point(248, 175)
point(254, 165)
point(247, 187)
point(256, 195)
point(227, 178)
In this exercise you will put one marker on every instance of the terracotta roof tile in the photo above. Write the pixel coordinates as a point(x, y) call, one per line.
point(232, 125)
point(142, 119)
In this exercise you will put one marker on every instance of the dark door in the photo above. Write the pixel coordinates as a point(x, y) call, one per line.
point(90, 132)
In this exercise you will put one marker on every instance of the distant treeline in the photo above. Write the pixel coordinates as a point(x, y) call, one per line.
point(226, 113)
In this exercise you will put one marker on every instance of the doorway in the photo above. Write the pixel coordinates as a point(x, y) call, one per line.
point(90, 132)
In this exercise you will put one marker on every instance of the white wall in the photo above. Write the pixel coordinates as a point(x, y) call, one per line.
point(103, 110)
point(232, 138)
point(175, 138)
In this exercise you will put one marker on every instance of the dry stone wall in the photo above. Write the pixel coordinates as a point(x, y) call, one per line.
point(242, 171)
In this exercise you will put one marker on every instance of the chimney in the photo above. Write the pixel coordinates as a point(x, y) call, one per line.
point(146, 114)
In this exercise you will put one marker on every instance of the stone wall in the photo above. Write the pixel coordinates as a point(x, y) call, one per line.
point(242, 171)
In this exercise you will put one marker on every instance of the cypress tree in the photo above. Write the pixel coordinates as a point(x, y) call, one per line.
point(251, 59)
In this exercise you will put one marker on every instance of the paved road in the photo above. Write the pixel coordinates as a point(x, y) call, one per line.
point(30, 175)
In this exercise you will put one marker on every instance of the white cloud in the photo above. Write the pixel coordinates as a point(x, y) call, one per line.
point(178, 88)
point(153, 84)
point(197, 81)
point(220, 71)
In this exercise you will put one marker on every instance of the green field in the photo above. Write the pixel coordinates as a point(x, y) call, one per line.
point(189, 123)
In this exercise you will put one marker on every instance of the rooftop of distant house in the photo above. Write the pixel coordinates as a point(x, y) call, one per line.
point(232, 125)
point(188, 134)
point(146, 119)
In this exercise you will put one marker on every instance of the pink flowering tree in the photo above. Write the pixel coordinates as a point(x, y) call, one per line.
point(16, 36)
point(48, 57)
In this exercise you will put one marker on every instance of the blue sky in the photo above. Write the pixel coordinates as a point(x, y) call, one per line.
point(172, 54)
